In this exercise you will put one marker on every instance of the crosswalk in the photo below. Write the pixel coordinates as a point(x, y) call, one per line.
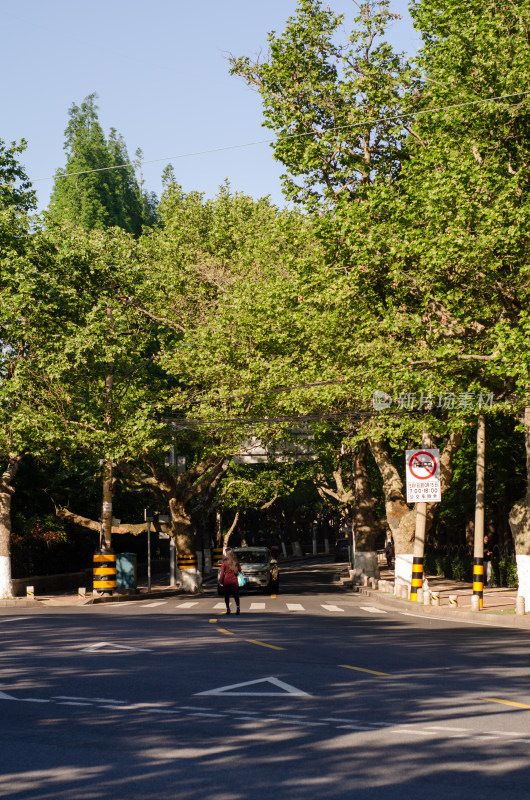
point(273, 605)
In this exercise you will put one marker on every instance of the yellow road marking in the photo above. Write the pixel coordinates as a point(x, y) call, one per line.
point(505, 702)
point(273, 597)
point(264, 644)
point(212, 620)
point(223, 630)
point(360, 669)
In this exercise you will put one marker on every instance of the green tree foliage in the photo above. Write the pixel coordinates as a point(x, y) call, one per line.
point(333, 102)
point(17, 434)
point(98, 189)
point(15, 188)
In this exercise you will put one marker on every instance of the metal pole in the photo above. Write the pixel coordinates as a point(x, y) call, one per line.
point(172, 562)
point(478, 554)
point(148, 555)
point(419, 540)
point(419, 550)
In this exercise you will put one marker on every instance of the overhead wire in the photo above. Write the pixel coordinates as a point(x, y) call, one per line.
point(288, 136)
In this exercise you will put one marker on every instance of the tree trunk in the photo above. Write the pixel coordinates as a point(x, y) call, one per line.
point(401, 518)
point(6, 493)
point(108, 489)
point(230, 531)
point(366, 527)
point(106, 506)
point(519, 520)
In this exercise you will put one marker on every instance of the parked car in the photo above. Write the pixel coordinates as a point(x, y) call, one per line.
point(342, 550)
point(258, 567)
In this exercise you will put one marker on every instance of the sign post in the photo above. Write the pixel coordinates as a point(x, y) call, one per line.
point(423, 486)
point(149, 514)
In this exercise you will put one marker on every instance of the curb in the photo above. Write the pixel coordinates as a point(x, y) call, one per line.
point(22, 602)
point(121, 598)
point(486, 618)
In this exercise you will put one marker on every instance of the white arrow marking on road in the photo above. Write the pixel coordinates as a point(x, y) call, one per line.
point(372, 610)
point(231, 691)
point(109, 647)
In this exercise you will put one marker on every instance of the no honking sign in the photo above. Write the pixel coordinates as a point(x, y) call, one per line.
point(423, 476)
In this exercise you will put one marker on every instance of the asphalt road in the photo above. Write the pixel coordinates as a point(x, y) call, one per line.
point(315, 693)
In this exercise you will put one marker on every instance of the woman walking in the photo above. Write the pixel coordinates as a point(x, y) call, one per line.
point(230, 569)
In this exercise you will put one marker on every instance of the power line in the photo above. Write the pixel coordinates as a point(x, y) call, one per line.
point(182, 422)
point(284, 138)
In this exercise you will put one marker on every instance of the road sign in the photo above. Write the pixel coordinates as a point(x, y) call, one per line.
point(423, 476)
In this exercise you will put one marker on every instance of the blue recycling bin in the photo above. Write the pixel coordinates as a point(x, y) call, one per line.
point(126, 572)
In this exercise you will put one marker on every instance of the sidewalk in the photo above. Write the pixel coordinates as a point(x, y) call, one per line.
point(498, 602)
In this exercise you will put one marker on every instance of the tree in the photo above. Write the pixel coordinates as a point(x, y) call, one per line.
point(333, 104)
point(90, 381)
point(98, 189)
point(16, 432)
point(16, 193)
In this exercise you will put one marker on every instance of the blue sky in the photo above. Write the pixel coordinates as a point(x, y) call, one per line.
point(160, 70)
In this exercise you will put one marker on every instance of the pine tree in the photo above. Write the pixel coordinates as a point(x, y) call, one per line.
point(98, 189)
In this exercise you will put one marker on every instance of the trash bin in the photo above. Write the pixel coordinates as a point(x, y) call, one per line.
point(126, 572)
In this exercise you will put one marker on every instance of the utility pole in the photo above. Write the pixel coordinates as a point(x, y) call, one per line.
point(419, 541)
point(478, 554)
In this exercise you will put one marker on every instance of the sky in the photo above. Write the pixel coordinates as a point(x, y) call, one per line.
point(161, 73)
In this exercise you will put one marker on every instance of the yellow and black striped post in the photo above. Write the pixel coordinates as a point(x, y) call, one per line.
point(417, 577)
point(478, 580)
point(217, 557)
point(104, 571)
point(187, 561)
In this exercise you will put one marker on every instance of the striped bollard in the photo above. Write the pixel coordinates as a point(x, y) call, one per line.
point(104, 570)
point(478, 580)
point(417, 577)
point(217, 557)
point(187, 561)
point(189, 574)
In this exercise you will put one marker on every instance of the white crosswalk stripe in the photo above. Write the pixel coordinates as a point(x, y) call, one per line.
point(188, 605)
point(372, 610)
point(157, 603)
point(257, 606)
point(218, 605)
point(327, 607)
point(295, 607)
